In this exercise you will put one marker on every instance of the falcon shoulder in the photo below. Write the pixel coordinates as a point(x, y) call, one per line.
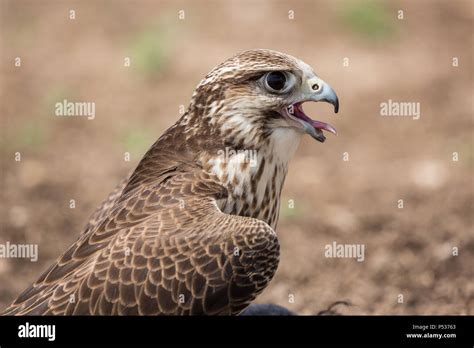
point(103, 210)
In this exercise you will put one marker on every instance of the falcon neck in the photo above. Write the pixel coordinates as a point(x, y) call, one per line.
point(254, 177)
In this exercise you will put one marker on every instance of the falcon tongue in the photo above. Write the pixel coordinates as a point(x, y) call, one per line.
point(323, 125)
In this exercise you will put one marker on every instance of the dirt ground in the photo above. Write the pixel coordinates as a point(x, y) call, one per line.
point(408, 251)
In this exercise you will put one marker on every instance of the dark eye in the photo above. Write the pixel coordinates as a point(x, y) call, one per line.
point(275, 81)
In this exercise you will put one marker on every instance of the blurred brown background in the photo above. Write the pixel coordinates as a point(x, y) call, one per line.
point(408, 251)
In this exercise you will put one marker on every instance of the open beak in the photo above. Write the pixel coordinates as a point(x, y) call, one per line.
point(316, 90)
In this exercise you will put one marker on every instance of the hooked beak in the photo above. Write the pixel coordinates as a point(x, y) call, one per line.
point(316, 90)
point(321, 91)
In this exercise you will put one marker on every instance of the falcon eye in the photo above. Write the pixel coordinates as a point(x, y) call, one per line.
point(276, 81)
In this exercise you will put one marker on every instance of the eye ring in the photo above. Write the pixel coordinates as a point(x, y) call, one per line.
point(278, 81)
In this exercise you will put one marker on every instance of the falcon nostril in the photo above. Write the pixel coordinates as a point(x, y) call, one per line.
point(315, 87)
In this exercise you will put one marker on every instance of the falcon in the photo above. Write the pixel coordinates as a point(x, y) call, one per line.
point(192, 230)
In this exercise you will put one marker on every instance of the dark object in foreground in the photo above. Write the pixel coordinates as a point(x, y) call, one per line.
point(266, 309)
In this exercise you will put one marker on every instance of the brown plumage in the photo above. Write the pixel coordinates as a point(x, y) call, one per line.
point(191, 231)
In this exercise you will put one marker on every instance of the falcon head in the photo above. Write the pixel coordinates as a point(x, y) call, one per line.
point(257, 92)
